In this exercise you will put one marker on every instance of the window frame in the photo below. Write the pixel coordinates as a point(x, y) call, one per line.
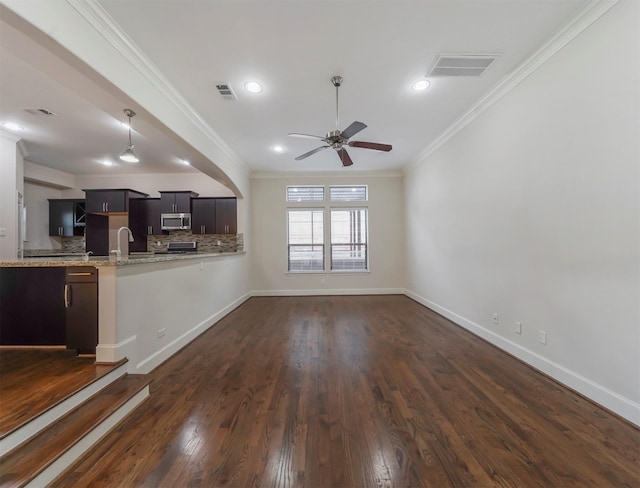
point(326, 206)
point(331, 243)
point(306, 208)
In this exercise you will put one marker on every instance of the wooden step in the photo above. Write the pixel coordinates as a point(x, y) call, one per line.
point(30, 405)
point(42, 458)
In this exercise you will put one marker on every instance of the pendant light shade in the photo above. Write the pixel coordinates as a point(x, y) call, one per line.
point(128, 155)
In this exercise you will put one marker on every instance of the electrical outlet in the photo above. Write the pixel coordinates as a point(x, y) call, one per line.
point(518, 328)
point(3, 231)
point(495, 318)
point(542, 337)
point(161, 332)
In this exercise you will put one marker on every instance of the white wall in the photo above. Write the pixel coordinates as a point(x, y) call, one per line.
point(532, 212)
point(269, 238)
point(181, 298)
point(37, 204)
point(11, 171)
point(151, 184)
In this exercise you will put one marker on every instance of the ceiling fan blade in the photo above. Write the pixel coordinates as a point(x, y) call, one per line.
point(306, 136)
point(313, 151)
point(353, 129)
point(371, 145)
point(344, 157)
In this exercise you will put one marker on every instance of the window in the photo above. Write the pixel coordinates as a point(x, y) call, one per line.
point(348, 193)
point(306, 239)
point(349, 239)
point(305, 193)
point(307, 234)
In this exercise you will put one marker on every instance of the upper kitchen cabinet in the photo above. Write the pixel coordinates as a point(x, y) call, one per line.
point(110, 201)
point(203, 216)
point(66, 217)
point(153, 221)
point(226, 216)
point(176, 201)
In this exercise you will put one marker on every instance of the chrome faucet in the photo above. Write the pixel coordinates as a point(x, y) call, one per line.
point(118, 252)
point(87, 254)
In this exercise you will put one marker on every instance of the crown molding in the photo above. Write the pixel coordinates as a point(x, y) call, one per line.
point(10, 136)
point(578, 23)
point(262, 175)
point(104, 24)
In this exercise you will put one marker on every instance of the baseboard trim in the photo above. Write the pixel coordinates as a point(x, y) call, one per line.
point(158, 357)
point(326, 291)
point(608, 399)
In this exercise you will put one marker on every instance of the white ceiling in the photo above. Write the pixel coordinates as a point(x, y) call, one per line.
point(293, 49)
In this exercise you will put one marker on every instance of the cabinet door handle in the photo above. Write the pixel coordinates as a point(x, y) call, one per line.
point(107, 206)
point(67, 296)
point(202, 229)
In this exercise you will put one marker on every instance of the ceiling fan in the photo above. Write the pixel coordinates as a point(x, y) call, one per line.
point(337, 139)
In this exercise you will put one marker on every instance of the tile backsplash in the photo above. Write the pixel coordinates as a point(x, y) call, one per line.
point(206, 242)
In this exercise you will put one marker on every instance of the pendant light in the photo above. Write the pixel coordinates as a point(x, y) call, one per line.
point(128, 155)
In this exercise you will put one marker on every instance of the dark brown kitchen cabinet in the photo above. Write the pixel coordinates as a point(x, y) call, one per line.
point(226, 216)
point(203, 216)
point(153, 221)
point(110, 201)
point(138, 224)
point(66, 217)
point(81, 309)
point(32, 309)
point(176, 201)
point(97, 238)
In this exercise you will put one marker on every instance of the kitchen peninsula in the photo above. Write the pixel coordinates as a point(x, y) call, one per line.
point(149, 305)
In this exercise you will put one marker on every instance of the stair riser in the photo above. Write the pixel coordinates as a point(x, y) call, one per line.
point(40, 423)
point(56, 468)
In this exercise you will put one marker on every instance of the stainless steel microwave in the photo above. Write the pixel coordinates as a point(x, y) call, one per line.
point(176, 221)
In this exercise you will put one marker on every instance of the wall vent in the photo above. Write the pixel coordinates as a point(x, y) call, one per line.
point(226, 91)
point(461, 65)
point(39, 111)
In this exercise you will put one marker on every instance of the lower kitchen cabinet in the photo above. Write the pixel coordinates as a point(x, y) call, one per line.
point(32, 311)
point(81, 306)
point(43, 306)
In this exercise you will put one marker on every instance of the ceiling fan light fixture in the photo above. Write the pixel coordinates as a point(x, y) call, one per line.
point(420, 85)
point(128, 155)
point(253, 87)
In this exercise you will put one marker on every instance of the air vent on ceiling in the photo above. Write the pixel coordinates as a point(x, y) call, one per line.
point(39, 111)
point(461, 65)
point(226, 91)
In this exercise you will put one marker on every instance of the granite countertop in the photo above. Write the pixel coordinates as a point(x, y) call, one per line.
point(100, 261)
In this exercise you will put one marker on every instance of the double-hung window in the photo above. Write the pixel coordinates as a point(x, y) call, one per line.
point(306, 239)
point(347, 231)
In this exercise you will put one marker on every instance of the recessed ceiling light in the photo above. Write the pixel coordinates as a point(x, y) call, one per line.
point(420, 85)
point(124, 125)
point(12, 126)
point(185, 162)
point(106, 162)
point(278, 149)
point(253, 86)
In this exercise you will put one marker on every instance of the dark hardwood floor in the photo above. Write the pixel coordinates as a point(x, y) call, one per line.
point(32, 380)
point(356, 391)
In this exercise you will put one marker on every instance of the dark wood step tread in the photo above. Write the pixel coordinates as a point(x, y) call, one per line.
point(25, 462)
point(38, 380)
